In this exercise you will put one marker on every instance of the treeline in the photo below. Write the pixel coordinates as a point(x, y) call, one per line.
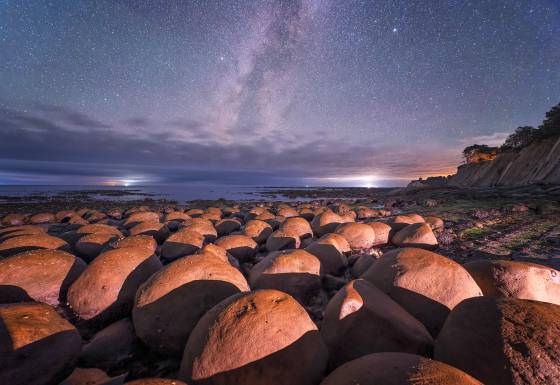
point(523, 136)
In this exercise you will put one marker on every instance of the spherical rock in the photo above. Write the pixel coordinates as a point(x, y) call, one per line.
point(14, 219)
point(331, 250)
point(287, 212)
point(295, 272)
point(18, 231)
point(397, 369)
point(227, 226)
point(105, 290)
point(44, 275)
point(139, 217)
point(37, 346)
point(362, 264)
point(110, 347)
point(155, 381)
point(23, 243)
point(202, 226)
point(240, 246)
point(426, 284)
point(514, 279)
point(255, 338)
point(382, 232)
point(195, 212)
point(258, 230)
point(358, 235)
point(155, 229)
point(416, 235)
point(401, 221)
point(181, 243)
point(282, 240)
point(98, 228)
point(325, 222)
point(145, 241)
point(503, 340)
point(297, 225)
point(90, 246)
point(360, 319)
point(42, 218)
point(170, 303)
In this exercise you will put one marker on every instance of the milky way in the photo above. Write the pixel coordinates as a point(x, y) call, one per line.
point(245, 92)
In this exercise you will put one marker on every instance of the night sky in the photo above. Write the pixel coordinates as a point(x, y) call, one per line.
point(266, 93)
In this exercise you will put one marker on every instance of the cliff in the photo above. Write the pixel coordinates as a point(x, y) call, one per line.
point(536, 163)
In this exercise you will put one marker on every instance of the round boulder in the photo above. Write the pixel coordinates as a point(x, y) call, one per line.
point(503, 341)
point(258, 230)
point(426, 284)
point(397, 369)
point(37, 346)
point(326, 222)
point(90, 246)
point(145, 241)
point(401, 221)
point(331, 250)
point(44, 275)
point(240, 246)
point(255, 338)
point(358, 235)
point(23, 243)
point(227, 226)
point(282, 240)
point(523, 280)
point(42, 218)
point(416, 235)
point(295, 272)
point(181, 243)
point(382, 232)
point(170, 303)
point(105, 291)
point(297, 225)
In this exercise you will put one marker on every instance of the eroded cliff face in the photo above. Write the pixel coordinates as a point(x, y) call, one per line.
point(537, 163)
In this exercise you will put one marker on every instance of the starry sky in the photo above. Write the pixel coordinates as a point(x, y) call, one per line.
point(304, 92)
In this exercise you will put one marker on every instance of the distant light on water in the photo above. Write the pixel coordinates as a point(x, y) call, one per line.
point(367, 181)
point(125, 182)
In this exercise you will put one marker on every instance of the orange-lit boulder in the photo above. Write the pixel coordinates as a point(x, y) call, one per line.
point(360, 319)
point(14, 219)
point(176, 216)
point(139, 217)
point(17, 231)
point(195, 213)
point(137, 241)
point(503, 341)
point(98, 228)
point(282, 240)
point(44, 275)
point(89, 246)
point(202, 226)
point(331, 250)
point(155, 381)
point(111, 347)
point(255, 338)
point(170, 303)
point(42, 218)
point(401, 221)
point(258, 230)
point(297, 225)
point(426, 284)
point(240, 246)
point(183, 242)
point(382, 231)
point(92, 376)
point(397, 369)
point(64, 215)
point(416, 235)
point(295, 272)
point(105, 290)
point(326, 222)
point(362, 264)
point(287, 211)
point(214, 251)
point(358, 235)
point(23, 243)
point(514, 279)
point(227, 226)
point(37, 346)
point(155, 229)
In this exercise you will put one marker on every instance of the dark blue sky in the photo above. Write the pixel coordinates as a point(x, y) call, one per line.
point(259, 92)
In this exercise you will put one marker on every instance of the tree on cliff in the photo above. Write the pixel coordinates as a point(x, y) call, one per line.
point(522, 137)
point(478, 152)
point(551, 124)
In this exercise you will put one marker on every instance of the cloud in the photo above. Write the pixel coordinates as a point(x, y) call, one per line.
point(495, 139)
point(47, 143)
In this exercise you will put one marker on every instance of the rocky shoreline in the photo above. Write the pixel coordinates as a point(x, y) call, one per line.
point(302, 292)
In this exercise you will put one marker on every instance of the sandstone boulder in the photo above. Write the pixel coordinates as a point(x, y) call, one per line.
point(227, 226)
point(325, 222)
point(296, 272)
point(37, 346)
point(139, 217)
point(23, 243)
point(91, 245)
point(397, 369)
point(426, 284)
point(382, 232)
point(170, 303)
point(331, 250)
point(503, 341)
point(145, 241)
point(42, 218)
point(258, 230)
point(255, 338)
point(240, 246)
point(298, 226)
point(401, 221)
point(44, 275)
point(416, 235)
point(181, 243)
point(154, 229)
point(358, 235)
point(105, 291)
